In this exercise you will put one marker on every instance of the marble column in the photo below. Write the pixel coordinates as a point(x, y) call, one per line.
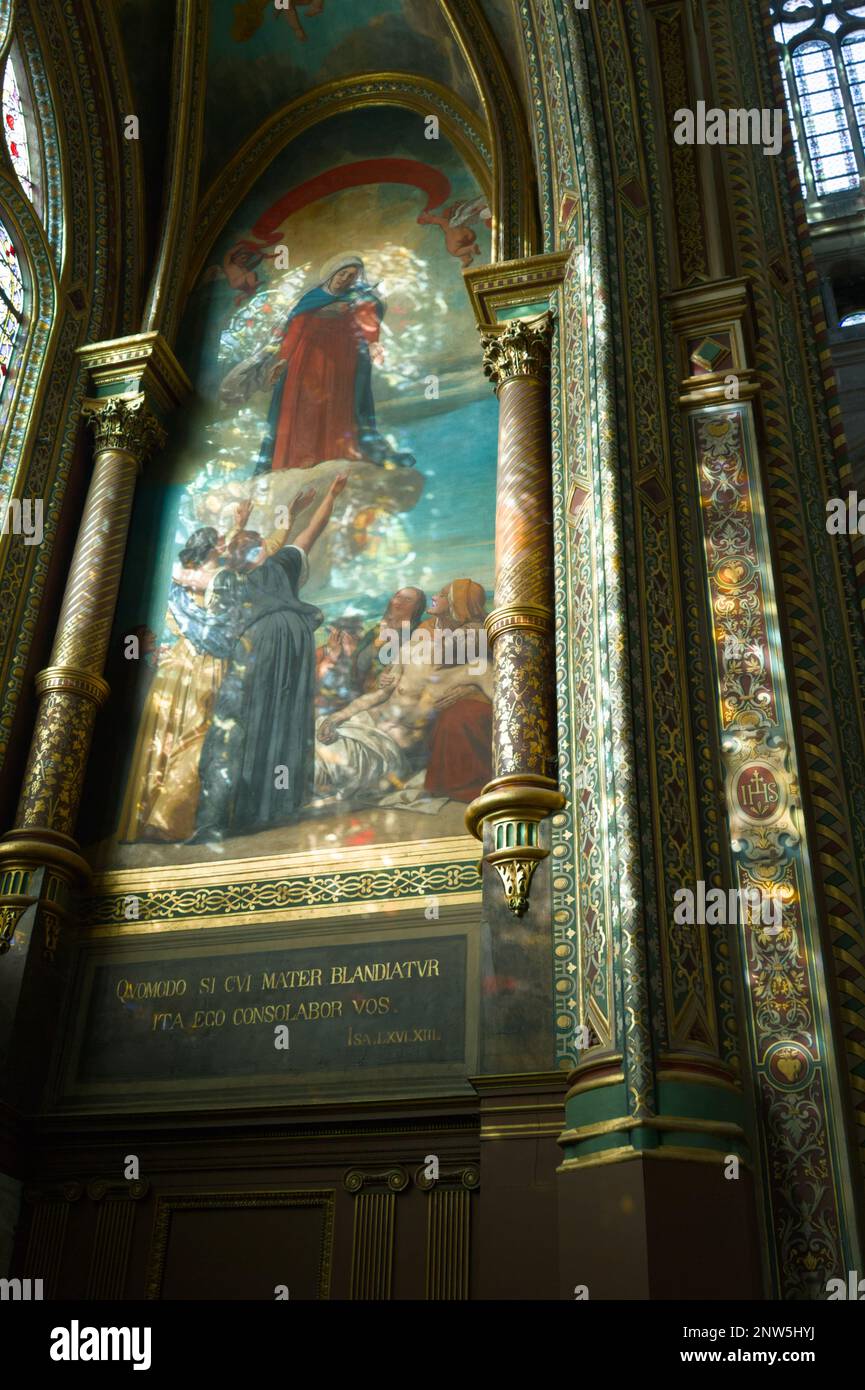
point(524, 789)
point(133, 382)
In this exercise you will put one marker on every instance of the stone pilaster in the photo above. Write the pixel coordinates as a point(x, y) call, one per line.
point(793, 1041)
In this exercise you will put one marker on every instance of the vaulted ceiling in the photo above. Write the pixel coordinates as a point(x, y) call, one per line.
point(260, 59)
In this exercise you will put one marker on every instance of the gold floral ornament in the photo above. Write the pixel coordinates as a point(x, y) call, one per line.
point(125, 424)
point(519, 348)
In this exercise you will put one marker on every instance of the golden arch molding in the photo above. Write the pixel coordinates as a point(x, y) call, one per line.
point(384, 89)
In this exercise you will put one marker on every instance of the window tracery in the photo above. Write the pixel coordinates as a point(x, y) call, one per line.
point(11, 302)
point(822, 46)
point(15, 128)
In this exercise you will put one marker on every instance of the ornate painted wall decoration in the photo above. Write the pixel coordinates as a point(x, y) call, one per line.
point(684, 159)
point(827, 644)
point(318, 885)
point(685, 975)
point(583, 880)
point(789, 1032)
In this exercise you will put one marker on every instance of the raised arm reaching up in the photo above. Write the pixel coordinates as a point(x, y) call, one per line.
point(321, 516)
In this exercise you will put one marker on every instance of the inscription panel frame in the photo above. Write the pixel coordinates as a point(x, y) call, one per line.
point(69, 1093)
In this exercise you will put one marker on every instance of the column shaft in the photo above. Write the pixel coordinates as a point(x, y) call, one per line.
point(41, 867)
point(71, 689)
point(524, 788)
point(524, 732)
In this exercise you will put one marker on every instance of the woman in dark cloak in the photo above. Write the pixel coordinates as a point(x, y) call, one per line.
point(256, 764)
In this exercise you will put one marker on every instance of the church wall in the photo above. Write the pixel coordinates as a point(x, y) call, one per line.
point(178, 916)
point(663, 585)
point(84, 195)
point(430, 1065)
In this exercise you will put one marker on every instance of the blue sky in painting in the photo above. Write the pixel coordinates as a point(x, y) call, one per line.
point(450, 529)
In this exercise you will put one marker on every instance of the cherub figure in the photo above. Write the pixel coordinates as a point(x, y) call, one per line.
point(460, 239)
point(238, 267)
point(248, 16)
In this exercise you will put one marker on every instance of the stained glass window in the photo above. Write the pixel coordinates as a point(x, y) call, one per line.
point(853, 50)
point(11, 302)
point(797, 143)
point(823, 63)
point(15, 128)
point(854, 320)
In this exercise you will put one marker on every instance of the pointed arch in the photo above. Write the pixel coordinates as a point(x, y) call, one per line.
point(11, 303)
point(384, 89)
point(17, 124)
point(24, 56)
point(822, 57)
point(35, 313)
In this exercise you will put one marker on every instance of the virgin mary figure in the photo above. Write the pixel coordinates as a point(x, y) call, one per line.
point(320, 368)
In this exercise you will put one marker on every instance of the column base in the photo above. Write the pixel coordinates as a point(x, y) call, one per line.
point(37, 866)
point(40, 872)
point(33, 848)
point(514, 806)
point(659, 1224)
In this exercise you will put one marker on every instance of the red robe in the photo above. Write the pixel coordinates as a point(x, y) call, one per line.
point(317, 415)
point(460, 760)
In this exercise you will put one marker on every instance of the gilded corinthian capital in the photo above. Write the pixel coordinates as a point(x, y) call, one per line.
point(125, 424)
point(519, 348)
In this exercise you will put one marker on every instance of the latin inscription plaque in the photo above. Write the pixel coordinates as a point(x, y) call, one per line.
point(391, 1006)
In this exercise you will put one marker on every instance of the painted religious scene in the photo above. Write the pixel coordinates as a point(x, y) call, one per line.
point(299, 657)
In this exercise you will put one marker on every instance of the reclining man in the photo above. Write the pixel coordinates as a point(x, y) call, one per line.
point(366, 748)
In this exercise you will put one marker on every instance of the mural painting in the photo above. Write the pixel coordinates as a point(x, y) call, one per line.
point(317, 546)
